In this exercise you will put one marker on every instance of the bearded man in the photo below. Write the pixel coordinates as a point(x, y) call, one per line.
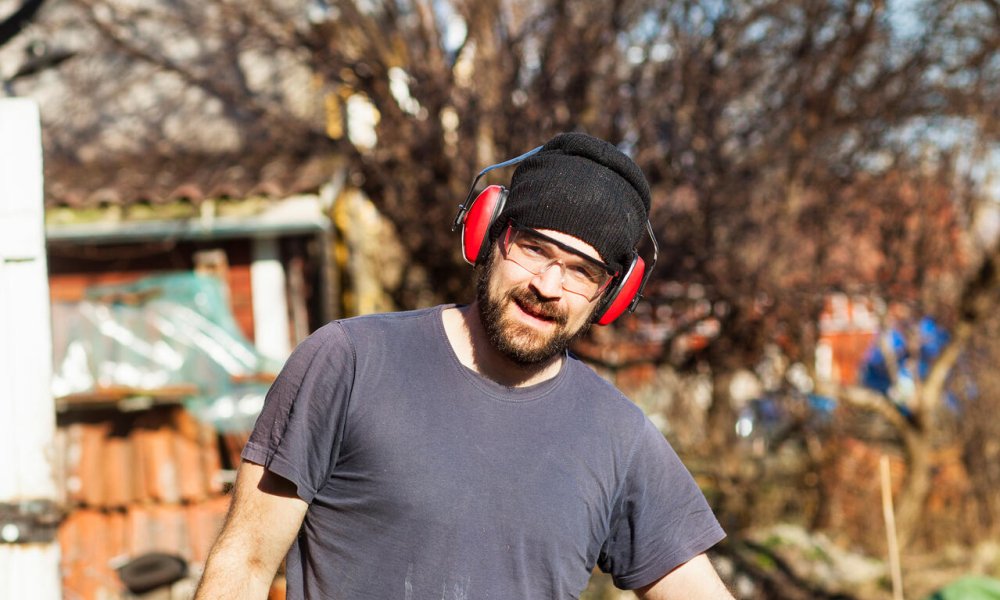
point(460, 451)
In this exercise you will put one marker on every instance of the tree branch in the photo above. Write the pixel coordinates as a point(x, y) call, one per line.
point(14, 24)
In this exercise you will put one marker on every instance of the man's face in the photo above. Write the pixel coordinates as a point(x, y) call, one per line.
point(530, 318)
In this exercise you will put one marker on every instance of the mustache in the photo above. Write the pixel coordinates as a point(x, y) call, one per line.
point(529, 300)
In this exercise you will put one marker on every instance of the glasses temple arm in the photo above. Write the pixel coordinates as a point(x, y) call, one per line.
point(649, 268)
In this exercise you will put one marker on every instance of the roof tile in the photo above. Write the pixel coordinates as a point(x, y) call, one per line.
point(154, 180)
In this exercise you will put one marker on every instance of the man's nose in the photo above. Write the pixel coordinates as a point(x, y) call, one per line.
point(548, 283)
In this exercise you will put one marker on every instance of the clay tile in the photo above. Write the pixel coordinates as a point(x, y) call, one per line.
point(313, 174)
point(274, 170)
point(226, 190)
point(268, 189)
point(56, 199)
point(74, 199)
point(187, 191)
point(234, 173)
point(104, 197)
point(145, 197)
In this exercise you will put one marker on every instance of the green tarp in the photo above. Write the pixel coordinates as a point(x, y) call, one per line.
point(167, 330)
point(969, 588)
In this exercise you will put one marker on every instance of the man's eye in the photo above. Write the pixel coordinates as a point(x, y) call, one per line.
point(584, 272)
point(533, 249)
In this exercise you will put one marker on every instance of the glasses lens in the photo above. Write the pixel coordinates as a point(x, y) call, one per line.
point(537, 255)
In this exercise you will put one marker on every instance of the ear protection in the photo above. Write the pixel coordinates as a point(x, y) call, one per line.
point(477, 215)
point(483, 211)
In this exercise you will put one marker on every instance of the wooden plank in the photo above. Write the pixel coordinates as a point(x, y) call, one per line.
point(126, 398)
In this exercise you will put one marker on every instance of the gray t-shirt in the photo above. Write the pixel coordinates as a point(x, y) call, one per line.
point(426, 480)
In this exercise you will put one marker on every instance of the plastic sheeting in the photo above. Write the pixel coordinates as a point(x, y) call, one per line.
point(969, 588)
point(157, 333)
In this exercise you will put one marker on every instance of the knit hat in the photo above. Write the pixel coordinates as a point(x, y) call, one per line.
point(585, 187)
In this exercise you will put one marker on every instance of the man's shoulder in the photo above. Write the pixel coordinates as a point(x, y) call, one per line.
point(585, 376)
point(393, 322)
point(350, 330)
point(390, 318)
point(601, 395)
point(396, 331)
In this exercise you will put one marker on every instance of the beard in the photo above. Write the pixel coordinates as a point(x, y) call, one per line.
point(523, 345)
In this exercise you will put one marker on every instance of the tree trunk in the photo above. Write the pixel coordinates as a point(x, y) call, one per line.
point(721, 421)
point(918, 443)
point(916, 487)
point(733, 473)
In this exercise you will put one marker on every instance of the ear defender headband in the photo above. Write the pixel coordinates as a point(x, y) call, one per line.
point(478, 213)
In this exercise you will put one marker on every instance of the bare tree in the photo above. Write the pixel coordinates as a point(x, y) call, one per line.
point(12, 24)
point(780, 139)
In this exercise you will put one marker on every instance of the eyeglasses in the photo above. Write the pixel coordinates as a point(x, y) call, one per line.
point(536, 253)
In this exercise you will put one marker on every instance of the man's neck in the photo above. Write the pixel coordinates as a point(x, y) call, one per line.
point(474, 350)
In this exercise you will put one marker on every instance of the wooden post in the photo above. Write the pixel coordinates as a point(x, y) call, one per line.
point(890, 529)
point(270, 303)
point(29, 552)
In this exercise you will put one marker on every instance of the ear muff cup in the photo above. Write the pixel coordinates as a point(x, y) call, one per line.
point(625, 293)
point(481, 214)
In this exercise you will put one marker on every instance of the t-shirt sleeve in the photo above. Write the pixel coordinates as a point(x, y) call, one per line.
point(660, 519)
point(299, 430)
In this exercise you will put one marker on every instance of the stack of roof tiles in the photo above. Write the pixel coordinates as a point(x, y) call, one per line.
point(135, 483)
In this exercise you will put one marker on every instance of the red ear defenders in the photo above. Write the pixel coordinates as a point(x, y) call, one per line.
point(476, 218)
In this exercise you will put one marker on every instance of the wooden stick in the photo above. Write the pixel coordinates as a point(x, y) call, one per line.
point(890, 529)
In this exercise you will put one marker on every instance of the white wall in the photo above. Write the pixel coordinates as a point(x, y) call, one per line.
point(27, 413)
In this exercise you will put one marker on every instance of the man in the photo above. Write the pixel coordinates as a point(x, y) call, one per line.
point(460, 452)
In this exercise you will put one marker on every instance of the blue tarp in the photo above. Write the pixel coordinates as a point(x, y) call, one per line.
point(933, 339)
point(875, 373)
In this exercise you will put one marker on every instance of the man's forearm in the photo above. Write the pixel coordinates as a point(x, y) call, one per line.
point(232, 585)
point(695, 579)
point(262, 522)
point(233, 575)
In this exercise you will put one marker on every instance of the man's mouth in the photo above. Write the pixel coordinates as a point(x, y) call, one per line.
point(530, 306)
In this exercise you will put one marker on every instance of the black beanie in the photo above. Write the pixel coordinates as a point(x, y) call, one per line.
point(585, 187)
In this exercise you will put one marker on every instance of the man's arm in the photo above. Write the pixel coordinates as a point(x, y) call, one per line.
point(695, 579)
point(263, 519)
